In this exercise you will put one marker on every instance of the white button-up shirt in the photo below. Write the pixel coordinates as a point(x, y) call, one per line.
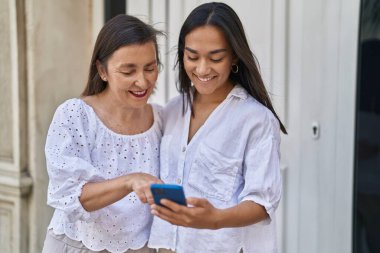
point(232, 158)
point(80, 149)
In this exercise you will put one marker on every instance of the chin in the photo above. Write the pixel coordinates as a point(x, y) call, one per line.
point(204, 90)
point(139, 104)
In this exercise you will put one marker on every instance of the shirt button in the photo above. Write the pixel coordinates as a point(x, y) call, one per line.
point(183, 149)
point(179, 180)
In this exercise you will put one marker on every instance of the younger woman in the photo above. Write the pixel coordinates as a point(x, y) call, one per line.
point(221, 142)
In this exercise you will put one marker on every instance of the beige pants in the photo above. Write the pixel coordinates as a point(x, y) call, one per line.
point(170, 251)
point(62, 244)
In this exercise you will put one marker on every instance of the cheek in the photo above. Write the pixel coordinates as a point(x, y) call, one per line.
point(153, 77)
point(188, 70)
point(188, 65)
point(225, 70)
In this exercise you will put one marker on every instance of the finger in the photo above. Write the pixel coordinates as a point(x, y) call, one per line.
point(155, 180)
point(141, 196)
point(197, 201)
point(171, 205)
point(166, 218)
point(149, 196)
point(165, 211)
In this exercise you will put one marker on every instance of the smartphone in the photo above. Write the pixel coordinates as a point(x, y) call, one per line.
point(171, 192)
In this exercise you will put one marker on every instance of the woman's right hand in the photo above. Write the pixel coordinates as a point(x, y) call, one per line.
point(140, 184)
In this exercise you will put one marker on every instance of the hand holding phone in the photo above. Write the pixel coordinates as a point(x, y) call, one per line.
point(168, 191)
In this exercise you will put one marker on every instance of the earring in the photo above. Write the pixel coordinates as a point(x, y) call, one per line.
point(234, 68)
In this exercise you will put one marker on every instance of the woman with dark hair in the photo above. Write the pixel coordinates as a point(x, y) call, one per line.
point(102, 149)
point(221, 142)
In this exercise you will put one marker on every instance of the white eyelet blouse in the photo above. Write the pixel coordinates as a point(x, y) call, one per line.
point(80, 149)
point(233, 157)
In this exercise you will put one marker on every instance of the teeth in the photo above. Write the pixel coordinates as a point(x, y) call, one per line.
point(139, 92)
point(205, 79)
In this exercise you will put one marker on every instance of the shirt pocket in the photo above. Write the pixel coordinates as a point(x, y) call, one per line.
point(164, 156)
point(213, 173)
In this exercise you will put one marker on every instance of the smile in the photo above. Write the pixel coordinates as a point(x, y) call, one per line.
point(205, 79)
point(139, 94)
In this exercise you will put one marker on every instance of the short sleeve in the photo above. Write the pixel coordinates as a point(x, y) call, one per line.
point(68, 160)
point(261, 168)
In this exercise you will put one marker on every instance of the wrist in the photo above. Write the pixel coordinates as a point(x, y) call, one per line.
point(127, 183)
point(219, 218)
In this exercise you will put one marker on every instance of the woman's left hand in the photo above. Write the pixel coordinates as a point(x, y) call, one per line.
point(199, 214)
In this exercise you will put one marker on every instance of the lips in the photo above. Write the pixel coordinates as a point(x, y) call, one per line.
point(205, 79)
point(139, 94)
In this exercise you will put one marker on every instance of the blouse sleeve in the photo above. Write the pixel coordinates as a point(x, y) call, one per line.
point(261, 170)
point(68, 160)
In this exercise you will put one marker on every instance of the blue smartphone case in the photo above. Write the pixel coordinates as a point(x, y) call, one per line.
point(168, 191)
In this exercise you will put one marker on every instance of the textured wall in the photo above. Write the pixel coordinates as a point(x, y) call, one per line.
point(45, 52)
point(58, 46)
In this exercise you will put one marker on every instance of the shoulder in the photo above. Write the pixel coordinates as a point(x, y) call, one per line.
point(71, 106)
point(267, 124)
point(156, 108)
point(174, 103)
point(157, 111)
point(258, 118)
point(73, 110)
point(173, 107)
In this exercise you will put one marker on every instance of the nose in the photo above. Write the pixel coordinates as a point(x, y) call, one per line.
point(203, 68)
point(141, 81)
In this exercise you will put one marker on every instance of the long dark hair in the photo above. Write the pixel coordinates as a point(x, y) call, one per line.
point(224, 17)
point(119, 31)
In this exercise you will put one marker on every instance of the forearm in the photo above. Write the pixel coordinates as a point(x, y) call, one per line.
point(101, 194)
point(244, 214)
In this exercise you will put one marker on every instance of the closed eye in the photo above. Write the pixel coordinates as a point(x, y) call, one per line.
point(217, 60)
point(127, 73)
point(192, 58)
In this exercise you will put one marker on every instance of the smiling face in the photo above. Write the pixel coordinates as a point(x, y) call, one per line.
point(131, 73)
point(207, 61)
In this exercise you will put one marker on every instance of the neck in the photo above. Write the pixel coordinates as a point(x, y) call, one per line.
point(118, 110)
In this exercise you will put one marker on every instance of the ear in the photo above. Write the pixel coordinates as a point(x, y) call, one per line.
point(235, 59)
point(101, 70)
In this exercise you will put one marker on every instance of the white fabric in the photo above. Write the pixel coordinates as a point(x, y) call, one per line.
point(62, 244)
point(233, 157)
point(80, 149)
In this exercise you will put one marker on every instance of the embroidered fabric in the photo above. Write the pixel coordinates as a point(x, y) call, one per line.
point(81, 149)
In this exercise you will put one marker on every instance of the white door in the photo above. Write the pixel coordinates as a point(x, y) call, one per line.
point(321, 70)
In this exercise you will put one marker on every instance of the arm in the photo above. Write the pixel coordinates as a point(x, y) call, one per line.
point(75, 187)
point(97, 195)
point(202, 214)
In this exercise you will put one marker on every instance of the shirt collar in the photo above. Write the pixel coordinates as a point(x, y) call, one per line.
point(239, 92)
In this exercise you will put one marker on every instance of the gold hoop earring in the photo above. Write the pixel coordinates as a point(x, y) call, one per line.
point(234, 68)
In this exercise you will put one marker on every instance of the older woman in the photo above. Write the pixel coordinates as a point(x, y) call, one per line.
point(102, 150)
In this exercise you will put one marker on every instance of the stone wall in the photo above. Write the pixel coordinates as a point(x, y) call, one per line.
point(45, 51)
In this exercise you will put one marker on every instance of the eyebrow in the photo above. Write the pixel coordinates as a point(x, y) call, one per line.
point(211, 52)
point(132, 65)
